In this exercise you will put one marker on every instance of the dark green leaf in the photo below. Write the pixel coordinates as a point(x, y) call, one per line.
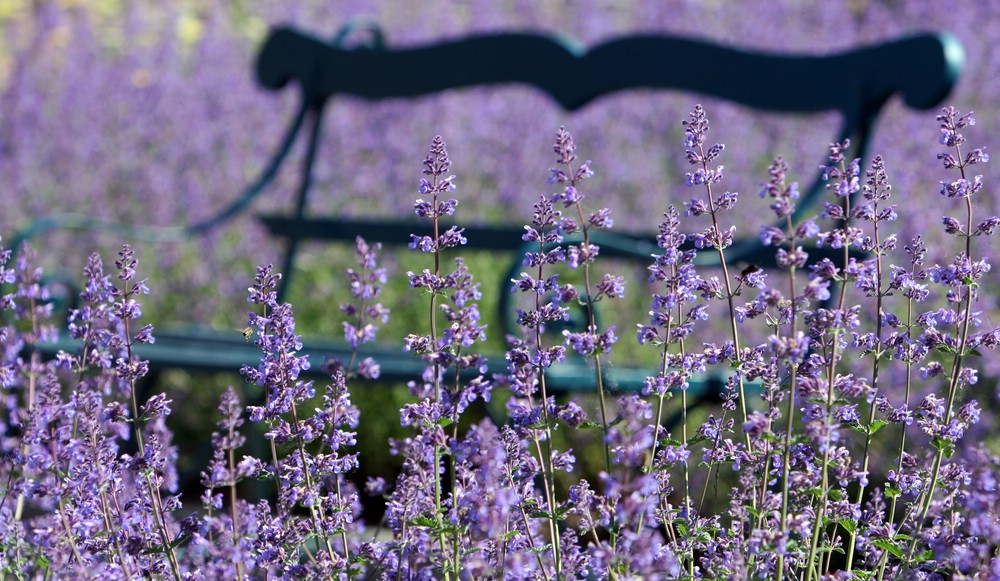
point(888, 546)
point(947, 447)
point(696, 438)
point(424, 521)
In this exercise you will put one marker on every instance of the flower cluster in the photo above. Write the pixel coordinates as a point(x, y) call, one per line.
point(364, 314)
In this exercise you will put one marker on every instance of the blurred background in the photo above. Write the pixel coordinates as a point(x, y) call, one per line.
point(148, 112)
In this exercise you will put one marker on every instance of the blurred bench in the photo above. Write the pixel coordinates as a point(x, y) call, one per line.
point(857, 84)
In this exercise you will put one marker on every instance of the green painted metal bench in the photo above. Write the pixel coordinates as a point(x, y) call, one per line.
point(921, 69)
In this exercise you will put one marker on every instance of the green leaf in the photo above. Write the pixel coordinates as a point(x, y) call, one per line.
point(159, 549)
point(359, 560)
point(697, 438)
point(848, 524)
point(870, 429)
point(888, 546)
point(540, 550)
point(800, 439)
point(892, 491)
point(769, 437)
point(589, 425)
point(561, 512)
point(449, 529)
point(816, 492)
point(423, 521)
point(945, 446)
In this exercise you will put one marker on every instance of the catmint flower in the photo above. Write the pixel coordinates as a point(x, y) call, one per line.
point(601, 219)
point(950, 136)
point(987, 226)
point(755, 278)
point(280, 367)
point(962, 188)
point(611, 286)
point(789, 349)
point(696, 208)
point(968, 376)
point(795, 259)
point(771, 236)
point(847, 414)
point(578, 255)
point(669, 456)
point(157, 406)
point(590, 342)
point(757, 425)
point(422, 243)
point(782, 194)
point(951, 226)
point(369, 368)
point(572, 414)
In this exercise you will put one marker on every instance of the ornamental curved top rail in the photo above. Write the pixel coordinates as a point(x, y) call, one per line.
point(922, 68)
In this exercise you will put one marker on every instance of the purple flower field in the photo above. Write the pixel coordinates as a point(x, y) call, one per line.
point(855, 438)
point(90, 471)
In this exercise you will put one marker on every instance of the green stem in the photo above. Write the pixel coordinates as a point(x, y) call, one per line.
point(789, 410)
point(902, 444)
